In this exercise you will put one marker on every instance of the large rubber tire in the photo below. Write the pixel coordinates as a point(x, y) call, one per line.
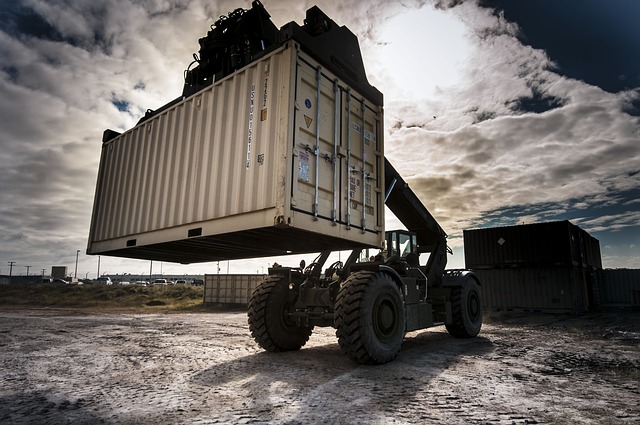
point(268, 324)
point(466, 309)
point(370, 318)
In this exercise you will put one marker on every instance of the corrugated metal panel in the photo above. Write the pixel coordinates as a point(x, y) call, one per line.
point(59, 272)
point(557, 243)
point(234, 171)
point(591, 249)
point(551, 289)
point(620, 286)
point(230, 289)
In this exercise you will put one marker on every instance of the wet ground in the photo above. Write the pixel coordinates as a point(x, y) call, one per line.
point(65, 366)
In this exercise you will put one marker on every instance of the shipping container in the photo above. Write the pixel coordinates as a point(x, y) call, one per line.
point(230, 288)
point(22, 280)
point(558, 243)
point(59, 272)
point(279, 157)
point(620, 287)
point(550, 289)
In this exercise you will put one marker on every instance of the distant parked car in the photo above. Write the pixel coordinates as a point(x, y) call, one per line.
point(61, 281)
point(104, 281)
point(198, 282)
point(181, 282)
point(160, 282)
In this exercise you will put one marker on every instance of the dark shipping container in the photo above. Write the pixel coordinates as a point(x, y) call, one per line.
point(552, 244)
point(620, 287)
point(550, 289)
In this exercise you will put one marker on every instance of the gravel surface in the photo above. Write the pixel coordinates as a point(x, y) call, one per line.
point(65, 366)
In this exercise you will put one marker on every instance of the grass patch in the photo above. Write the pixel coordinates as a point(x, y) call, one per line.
point(152, 298)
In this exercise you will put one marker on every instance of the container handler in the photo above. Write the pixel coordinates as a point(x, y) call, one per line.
point(373, 302)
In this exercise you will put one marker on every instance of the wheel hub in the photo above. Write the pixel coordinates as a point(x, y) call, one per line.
point(473, 306)
point(384, 318)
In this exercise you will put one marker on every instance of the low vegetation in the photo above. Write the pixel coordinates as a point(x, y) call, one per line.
point(157, 298)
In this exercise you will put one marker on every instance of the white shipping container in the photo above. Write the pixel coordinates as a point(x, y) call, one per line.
point(279, 157)
point(230, 288)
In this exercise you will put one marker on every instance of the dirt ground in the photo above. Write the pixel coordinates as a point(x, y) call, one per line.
point(65, 366)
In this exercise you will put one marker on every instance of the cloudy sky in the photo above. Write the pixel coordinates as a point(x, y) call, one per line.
point(496, 112)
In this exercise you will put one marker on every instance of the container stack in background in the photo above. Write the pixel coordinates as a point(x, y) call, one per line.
point(554, 267)
point(620, 288)
point(230, 288)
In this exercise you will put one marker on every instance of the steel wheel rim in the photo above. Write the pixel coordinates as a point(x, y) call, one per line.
point(385, 317)
point(473, 305)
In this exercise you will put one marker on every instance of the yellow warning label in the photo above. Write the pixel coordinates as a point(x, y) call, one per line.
point(308, 121)
point(263, 115)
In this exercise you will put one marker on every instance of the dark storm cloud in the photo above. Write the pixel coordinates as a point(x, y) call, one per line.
point(480, 116)
point(538, 102)
point(447, 4)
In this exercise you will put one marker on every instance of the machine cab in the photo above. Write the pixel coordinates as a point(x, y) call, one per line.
point(402, 244)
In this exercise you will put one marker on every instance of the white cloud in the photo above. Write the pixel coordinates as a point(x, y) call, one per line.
point(462, 167)
point(461, 65)
point(407, 57)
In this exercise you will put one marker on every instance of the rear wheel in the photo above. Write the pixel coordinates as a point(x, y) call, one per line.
point(268, 322)
point(466, 309)
point(370, 318)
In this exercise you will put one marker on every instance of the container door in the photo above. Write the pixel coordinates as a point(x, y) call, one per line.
point(338, 162)
point(361, 163)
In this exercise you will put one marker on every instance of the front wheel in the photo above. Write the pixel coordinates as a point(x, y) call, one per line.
point(268, 321)
point(370, 318)
point(466, 309)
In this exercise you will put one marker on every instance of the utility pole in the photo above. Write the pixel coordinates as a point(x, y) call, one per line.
point(11, 264)
point(75, 274)
point(98, 275)
point(27, 267)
